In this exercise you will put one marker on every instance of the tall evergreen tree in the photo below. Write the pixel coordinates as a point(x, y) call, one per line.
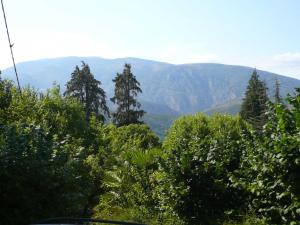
point(254, 104)
point(126, 90)
point(87, 90)
point(277, 96)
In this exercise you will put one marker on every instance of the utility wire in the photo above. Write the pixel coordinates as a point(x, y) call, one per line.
point(10, 46)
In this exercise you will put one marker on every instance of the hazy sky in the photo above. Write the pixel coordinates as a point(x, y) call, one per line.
point(256, 33)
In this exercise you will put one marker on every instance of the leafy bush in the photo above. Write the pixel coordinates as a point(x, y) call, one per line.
point(271, 166)
point(45, 152)
point(129, 180)
point(200, 154)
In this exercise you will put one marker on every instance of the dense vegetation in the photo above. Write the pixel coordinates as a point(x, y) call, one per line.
point(208, 170)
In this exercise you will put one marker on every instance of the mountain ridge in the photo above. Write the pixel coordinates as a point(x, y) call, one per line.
point(167, 88)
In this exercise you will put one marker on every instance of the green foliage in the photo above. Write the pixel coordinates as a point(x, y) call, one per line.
point(201, 153)
point(248, 220)
point(58, 159)
point(38, 174)
point(46, 148)
point(126, 90)
point(130, 181)
point(254, 105)
point(133, 136)
point(59, 116)
point(84, 87)
point(271, 168)
point(5, 93)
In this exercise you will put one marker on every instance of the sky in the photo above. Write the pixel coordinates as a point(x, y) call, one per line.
point(257, 33)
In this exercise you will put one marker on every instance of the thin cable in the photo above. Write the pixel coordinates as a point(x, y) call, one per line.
point(10, 47)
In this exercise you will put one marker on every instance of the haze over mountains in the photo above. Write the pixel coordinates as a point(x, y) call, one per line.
point(167, 88)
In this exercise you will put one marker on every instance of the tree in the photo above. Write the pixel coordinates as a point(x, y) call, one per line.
point(277, 96)
point(5, 93)
point(200, 154)
point(87, 90)
point(254, 104)
point(126, 91)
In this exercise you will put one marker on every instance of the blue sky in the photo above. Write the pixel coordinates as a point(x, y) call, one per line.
point(256, 33)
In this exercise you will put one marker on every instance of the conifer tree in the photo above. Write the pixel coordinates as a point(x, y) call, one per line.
point(87, 90)
point(277, 96)
point(126, 90)
point(254, 104)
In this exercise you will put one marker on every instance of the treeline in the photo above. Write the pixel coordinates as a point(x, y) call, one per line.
point(59, 158)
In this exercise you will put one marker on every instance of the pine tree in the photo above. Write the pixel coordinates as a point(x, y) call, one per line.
point(87, 90)
point(277, 96)
point(254, 105)
point(126, 90)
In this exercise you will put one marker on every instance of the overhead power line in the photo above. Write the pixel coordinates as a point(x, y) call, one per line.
point(10, 46)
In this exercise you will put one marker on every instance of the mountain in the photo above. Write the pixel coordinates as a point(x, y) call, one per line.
point(167, 88)
point(159, 123)
point(232, 108)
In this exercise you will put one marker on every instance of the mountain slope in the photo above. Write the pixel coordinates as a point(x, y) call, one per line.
point(159, 123)
point(167, 88)
point(231, 108)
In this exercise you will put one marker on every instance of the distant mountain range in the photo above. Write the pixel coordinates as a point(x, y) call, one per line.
point(167, 88)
